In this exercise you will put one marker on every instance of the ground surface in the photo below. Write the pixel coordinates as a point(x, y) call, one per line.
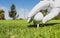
point(21, 29)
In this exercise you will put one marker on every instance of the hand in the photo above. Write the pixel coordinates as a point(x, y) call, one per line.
point(29, 19)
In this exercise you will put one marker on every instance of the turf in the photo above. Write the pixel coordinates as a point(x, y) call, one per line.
point(21, 29)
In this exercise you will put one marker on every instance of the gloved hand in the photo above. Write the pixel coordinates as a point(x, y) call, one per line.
point(28, 19)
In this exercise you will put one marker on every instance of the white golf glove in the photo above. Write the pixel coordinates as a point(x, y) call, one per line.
point(28, 19)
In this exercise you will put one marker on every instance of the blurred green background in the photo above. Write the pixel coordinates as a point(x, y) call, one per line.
point(21, 29)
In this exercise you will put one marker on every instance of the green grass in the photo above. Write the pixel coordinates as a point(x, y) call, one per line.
point(20, 29)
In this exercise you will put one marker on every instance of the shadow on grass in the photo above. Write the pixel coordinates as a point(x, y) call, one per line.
point(42, 25)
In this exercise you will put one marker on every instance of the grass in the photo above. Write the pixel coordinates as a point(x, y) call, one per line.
point(21, 29)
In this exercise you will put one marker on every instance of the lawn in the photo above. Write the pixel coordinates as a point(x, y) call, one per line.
point(21, 29)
